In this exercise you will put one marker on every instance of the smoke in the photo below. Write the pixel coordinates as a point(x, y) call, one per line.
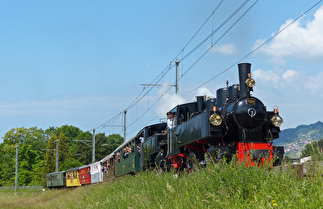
point(171, 100)
point(205, 92)
point(168, 101)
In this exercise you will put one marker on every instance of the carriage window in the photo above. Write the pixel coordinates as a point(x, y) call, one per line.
point(152, 131)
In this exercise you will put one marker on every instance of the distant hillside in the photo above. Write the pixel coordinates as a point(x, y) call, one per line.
point(295, 139)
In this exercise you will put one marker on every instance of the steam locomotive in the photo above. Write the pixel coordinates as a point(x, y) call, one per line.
point(232, 124)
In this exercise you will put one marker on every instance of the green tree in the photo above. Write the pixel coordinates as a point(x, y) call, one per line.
point(82, 150)
point(106, 145)
point(63, 149)
point(30, 141)
point(30, 164)
point(7, 166)
point(103, 147)
point(69, 148)
point(50, 158)
point(314, 149)
point(70, 163)
point(101, 144)
point(33, 136)
point(71, 132)
point(114, 141)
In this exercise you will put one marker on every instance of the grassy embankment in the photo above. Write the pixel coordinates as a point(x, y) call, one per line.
point(217, 186)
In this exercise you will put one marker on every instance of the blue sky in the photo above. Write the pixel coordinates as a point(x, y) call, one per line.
point(81, 63)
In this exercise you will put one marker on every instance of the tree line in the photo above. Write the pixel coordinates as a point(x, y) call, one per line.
point(37, 152)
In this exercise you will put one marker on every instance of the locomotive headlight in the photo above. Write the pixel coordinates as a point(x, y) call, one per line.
point(215, 119)
point(277, 121)
point(250, 82)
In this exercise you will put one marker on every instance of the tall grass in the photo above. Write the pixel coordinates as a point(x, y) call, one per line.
point(222, 185)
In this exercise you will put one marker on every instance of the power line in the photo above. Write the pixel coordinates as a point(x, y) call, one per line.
point(163, 73)
point(168, 68)
point(148, 109)
point(218, 28)
point(199, 29)
point(110, 121)
point(256, 49)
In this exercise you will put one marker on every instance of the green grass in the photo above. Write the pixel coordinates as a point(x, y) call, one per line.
point(216, 186)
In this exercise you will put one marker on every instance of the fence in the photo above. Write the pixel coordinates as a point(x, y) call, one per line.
point(24, 188)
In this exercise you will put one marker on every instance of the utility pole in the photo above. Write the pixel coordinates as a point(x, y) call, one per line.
point(177, 70)
point(93, 146)
point(16, 177)
point(125, 125)
point(177, 61)
point(56, 155)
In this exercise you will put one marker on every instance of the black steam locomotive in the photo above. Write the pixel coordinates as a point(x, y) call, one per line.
point(233, 123)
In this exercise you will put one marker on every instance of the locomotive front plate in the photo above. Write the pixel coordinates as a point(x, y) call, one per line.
point(251, 101)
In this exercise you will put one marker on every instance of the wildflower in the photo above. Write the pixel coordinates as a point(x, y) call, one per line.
point(240, 179)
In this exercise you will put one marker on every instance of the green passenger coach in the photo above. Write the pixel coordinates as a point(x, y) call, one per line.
point(128, 157)
point(56, 179)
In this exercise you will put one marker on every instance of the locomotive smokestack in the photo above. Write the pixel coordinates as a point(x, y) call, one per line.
point(244, 70)
point(221, 97)
point(200, 103)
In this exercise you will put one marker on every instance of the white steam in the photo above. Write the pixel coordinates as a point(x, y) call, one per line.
point(168, 101)
point(205, 92)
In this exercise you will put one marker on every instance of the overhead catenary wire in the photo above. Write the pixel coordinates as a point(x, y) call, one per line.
point(110, 121)
point(148, 109)
point(255, 49)
point(160, 76)
point(236, 61)
point(207, 19)
point(166, 70)
point(219, 27)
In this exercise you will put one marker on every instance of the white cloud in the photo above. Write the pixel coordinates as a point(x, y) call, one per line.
point(297, 94)
point(289, 75)
point(60, 107)
point(289, 82)
point(266, 76)
point(314, 84)
point(226, 49)
point(298, 41)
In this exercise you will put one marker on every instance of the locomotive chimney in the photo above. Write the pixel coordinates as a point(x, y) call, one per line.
point(221, 97)
point(244, 70)
point(200, 103)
